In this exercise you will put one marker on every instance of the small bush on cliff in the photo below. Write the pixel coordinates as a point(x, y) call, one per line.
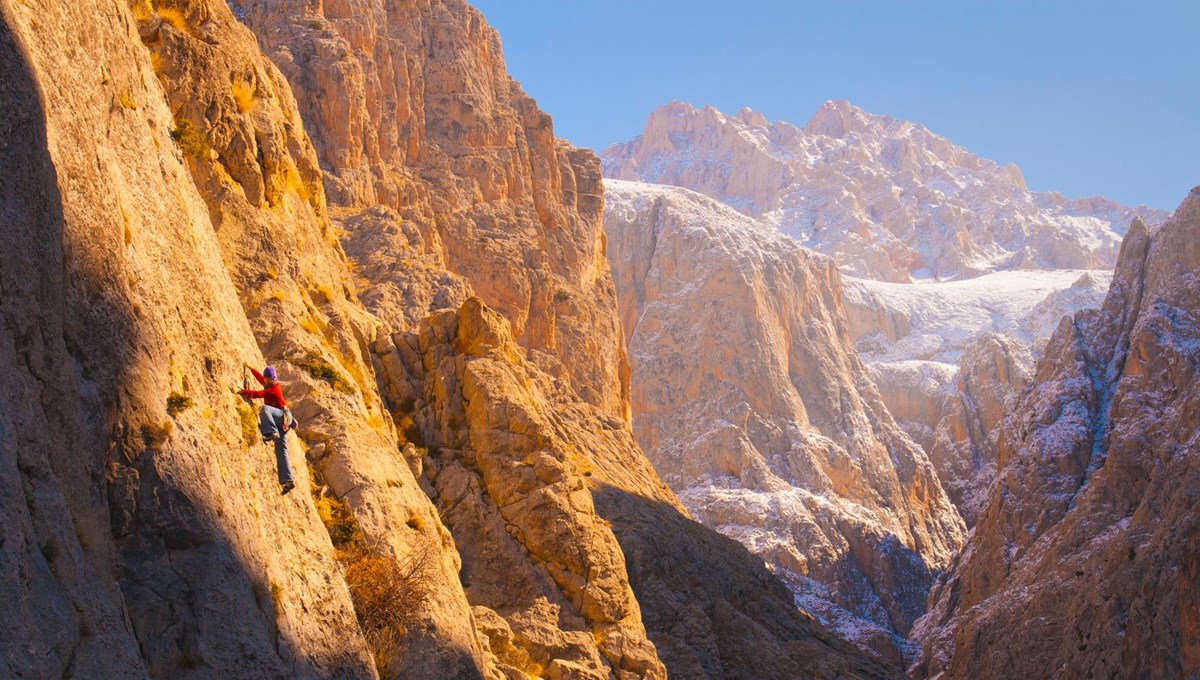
point(155, 436)
point(190, 140)
point(174, 18)
point(177, 403)
point(319, 368)
point(243, 96)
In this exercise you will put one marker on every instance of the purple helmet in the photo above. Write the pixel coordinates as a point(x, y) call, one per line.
point(269, 373)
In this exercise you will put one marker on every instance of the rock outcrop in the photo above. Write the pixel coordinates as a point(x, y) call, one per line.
point(966, 444)
point(1083, 561)
point(567, 533)
point(888, 199)
point(753, 406)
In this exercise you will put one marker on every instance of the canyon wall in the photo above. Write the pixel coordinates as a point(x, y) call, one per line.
point(752, 404)
point(434, 155)
point(470, 503)
point(145, 532)
point(1083, 559)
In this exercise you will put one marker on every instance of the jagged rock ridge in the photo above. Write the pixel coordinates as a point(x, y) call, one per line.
point(888, 199)
point(1084, 560)
point(753, 406)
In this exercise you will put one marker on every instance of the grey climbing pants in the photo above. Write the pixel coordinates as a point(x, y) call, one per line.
point(272, 421)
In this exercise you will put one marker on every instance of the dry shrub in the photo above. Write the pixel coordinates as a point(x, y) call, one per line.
point(155, 436)
point(386, 596)
point(190, 140)
point(178, 403)
point(295, 184)
point(387, 593)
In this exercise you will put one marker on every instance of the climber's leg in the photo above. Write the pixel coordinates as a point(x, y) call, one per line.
point(267, 423)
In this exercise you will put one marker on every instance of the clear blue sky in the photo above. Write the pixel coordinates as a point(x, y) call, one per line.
point(1086, 97)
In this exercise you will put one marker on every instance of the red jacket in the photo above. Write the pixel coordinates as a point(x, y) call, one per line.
point(271, 396)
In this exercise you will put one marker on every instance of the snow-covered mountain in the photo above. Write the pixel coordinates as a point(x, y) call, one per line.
point(888, 199)
point(948, 358)
point(955, 273)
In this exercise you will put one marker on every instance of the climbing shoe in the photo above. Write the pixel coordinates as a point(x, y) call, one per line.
point(287, 487)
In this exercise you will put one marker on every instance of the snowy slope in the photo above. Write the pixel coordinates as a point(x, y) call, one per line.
point(940, 319)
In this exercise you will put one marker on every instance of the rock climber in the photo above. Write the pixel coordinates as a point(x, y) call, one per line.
point(274, 420)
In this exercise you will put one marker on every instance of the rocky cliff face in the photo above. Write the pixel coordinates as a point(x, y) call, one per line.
point(168, 218)
point(435, 157)
point(888, 199)
point(1093, 517)
point(752, 405)
point(949, 357)
point(146, 537)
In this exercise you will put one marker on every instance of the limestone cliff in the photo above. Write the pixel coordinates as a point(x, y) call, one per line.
point(1083, 561)
point(751, 403)
point(557, 512)
point(166, 217)
point(432, 151)
point(144, 532)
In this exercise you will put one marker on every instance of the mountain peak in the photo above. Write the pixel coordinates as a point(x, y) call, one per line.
point(751, 117)
point(837, 118)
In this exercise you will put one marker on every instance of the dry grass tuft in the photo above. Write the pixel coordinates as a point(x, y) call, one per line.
point(243, 95)
point(155, 436)
point(249, 421)
point(174, 18)
point(316, 366)
point(295, 184)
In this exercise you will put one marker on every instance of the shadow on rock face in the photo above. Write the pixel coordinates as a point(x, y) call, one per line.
point(712, 609)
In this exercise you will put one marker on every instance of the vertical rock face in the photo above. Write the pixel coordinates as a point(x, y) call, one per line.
point(1093, 517)
point(411, 109)
point(991, 372)
point(886, 198)
point(754, 407)
point(145, 535)
point(257, 172)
